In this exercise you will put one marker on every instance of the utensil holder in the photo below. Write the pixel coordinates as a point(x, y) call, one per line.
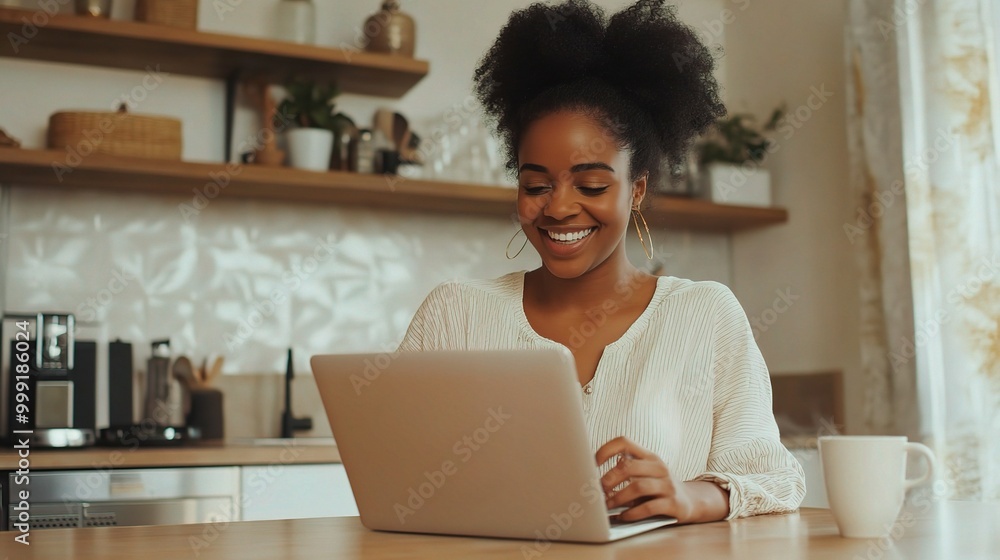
point(207, 413)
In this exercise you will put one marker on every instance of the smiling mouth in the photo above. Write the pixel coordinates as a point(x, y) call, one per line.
point(569, 238)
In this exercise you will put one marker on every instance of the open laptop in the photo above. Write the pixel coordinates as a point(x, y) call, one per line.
point(480, 443)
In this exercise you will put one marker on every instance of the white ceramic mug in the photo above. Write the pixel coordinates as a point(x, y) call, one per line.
point(866, 480)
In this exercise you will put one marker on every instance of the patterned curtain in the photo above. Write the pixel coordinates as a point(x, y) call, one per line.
point(923, 128)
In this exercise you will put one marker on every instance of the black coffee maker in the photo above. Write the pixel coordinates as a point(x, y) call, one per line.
point(49, 384)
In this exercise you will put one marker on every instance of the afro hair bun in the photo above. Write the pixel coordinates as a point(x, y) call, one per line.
point(642, 72)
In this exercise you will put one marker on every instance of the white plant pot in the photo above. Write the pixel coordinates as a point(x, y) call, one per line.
point(310, 148)
point(741, 185)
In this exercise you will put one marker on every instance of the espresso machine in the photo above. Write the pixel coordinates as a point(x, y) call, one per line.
point(49, 382)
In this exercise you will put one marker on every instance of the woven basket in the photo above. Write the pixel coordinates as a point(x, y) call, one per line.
point(119, 134)
point(176, 13)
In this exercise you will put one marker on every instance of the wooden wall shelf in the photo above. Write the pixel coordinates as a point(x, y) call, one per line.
point(97, 171)
point(134, 46)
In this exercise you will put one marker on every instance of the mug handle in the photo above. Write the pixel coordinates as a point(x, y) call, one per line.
point(931, 465)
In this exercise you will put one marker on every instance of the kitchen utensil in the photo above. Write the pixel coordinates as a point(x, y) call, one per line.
point(214, 372)
point(183, 371)
point(400, 132)
point(156, 408)
point(383, 122)
point(207, 413)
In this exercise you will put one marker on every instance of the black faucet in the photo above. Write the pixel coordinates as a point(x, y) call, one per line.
point(289, 423)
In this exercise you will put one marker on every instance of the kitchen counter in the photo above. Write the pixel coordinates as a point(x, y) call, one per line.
point(965, 530)
point(293, 451)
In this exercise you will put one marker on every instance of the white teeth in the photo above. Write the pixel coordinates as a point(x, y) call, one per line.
point(570, 237)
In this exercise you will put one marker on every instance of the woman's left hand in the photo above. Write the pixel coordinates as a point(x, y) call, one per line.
point(651, 490)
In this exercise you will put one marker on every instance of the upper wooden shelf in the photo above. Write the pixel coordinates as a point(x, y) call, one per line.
point(97, 171)
point(136, 46)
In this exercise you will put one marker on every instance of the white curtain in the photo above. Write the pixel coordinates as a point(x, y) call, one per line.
point(924, 116)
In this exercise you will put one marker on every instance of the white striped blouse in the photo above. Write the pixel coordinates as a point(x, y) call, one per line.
point(686, 381)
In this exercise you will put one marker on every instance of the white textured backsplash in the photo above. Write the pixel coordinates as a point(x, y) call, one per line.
point(345, 279)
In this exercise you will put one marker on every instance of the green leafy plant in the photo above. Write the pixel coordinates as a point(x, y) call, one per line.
point(310, 105)
point(737, 139)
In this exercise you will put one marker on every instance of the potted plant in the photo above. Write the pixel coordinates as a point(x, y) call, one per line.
point(730, 157)
point(309, 106)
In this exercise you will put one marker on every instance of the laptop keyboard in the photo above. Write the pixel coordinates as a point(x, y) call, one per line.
point(614, 521)
point(613, 516)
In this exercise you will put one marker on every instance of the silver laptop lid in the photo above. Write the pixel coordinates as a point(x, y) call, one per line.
point(488, 443)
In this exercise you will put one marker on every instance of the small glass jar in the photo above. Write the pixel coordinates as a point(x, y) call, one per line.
point(296, 21)
point(365, 152)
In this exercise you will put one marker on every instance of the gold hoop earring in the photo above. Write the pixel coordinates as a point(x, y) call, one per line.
point(507, 252)
point(649, 252)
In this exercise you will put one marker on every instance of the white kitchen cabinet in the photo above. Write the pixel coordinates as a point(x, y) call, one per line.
point(295, 491)
point(815, 488)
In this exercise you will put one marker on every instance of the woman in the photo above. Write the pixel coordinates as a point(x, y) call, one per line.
point(676, 394)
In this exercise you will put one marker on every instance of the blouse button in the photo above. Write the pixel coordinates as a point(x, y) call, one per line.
point(588, 389)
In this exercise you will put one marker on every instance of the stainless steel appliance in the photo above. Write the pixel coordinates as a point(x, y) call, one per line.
point(157, 426)
point(102, 498)
point(50, 383)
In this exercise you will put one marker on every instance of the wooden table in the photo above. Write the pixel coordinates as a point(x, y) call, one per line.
point(947, 531)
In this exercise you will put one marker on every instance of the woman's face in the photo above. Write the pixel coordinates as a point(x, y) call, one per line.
point(574, 198)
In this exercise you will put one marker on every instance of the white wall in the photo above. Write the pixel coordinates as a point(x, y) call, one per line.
point(779, 50)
